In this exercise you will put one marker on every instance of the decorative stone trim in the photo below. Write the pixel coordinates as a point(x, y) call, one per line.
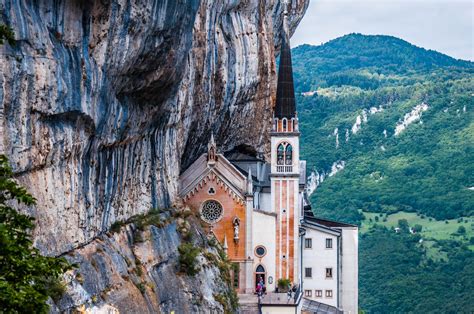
point(213, 177)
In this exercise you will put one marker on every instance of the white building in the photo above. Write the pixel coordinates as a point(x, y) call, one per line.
point(330, 263)
point(257, 210)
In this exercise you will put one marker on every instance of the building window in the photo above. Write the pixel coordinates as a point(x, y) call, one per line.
point(260, 269)
point(318, 293)
point(284, 157)
point(211, 211)
point(329, 272)
point(308, 272)
point(284, 122)
point(289, 155)
point(328, 243)
point(328, 293)
point(260, 251)
point(235, 274)
point(280, 154)
point(308, 293)
point(308, 243)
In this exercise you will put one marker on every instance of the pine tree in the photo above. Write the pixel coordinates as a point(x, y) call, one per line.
point(27, 278)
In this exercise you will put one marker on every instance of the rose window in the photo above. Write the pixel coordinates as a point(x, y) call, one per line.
point(211, 211)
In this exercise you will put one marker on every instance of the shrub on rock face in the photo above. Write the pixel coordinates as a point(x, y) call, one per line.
point(27, 278)
point(188, 259)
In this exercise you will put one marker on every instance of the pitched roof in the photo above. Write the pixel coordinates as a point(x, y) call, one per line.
point(200, 171)
point(312, 306)
point(327, 222)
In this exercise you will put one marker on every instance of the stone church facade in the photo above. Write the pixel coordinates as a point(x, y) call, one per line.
point(258, 211)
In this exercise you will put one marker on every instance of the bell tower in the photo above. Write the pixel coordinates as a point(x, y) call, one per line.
point(285, 166)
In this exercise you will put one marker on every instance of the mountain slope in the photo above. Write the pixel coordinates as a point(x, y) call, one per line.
point(321, 66)
point(404, 139)
point(388, 128)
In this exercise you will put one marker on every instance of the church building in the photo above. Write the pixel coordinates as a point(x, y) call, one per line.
point(258, 211)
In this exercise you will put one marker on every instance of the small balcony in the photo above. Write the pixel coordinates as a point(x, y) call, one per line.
point(284, 169)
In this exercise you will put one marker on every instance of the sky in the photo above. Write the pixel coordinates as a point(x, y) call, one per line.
point(442, 25)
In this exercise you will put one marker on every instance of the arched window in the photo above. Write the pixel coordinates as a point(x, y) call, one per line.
point(260, 269)
point(284, 122)
point(289, 155)
point(284, 157)
point(281, 154)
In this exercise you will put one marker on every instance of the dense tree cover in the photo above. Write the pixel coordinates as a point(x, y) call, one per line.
point(27, 278)
point(397, 277)
point(366, 61)
point(427, 168)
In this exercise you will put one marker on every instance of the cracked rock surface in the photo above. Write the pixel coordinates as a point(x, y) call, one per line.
point(104, 103)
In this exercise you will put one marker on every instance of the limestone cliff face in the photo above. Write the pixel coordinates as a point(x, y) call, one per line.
point(103, 103)
point(133, 271)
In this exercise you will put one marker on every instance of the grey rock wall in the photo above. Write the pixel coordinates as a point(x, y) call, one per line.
point(118, 274)
point(103, 103)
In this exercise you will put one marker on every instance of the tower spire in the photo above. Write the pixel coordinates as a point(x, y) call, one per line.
point(211, 151)
point(285, 103)
point(250, 182)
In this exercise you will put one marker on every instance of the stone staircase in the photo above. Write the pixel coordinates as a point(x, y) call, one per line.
point(248, 304)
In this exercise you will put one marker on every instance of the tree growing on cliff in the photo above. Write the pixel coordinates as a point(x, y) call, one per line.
point(27, 278)
point(6, 33)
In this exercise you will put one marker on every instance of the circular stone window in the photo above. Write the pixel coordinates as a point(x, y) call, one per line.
point(260, 251)
point(211, 211)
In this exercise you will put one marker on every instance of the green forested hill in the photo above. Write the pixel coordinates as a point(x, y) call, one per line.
point(428, 167)
point(367, 62)
point(399, 121)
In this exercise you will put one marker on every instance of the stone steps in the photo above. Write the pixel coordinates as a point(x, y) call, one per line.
point(249, 309)
point(248, 304)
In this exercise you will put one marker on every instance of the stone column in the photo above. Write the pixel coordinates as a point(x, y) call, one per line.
point(249, 245)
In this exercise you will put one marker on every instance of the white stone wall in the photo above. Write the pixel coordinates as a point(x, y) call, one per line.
point(266, 202)
point(318, 258)
point(268, 309)
point(264, 234)
point(350, 270)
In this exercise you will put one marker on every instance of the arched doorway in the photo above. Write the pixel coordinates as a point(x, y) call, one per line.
point(260, 273)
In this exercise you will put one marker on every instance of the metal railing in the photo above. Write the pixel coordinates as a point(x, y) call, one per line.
point(284, 168)
point(297, 293)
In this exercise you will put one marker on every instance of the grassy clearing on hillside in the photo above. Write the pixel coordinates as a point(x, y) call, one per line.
point(432, 229)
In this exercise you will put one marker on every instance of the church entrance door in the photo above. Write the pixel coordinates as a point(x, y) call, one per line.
point(260, 273)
